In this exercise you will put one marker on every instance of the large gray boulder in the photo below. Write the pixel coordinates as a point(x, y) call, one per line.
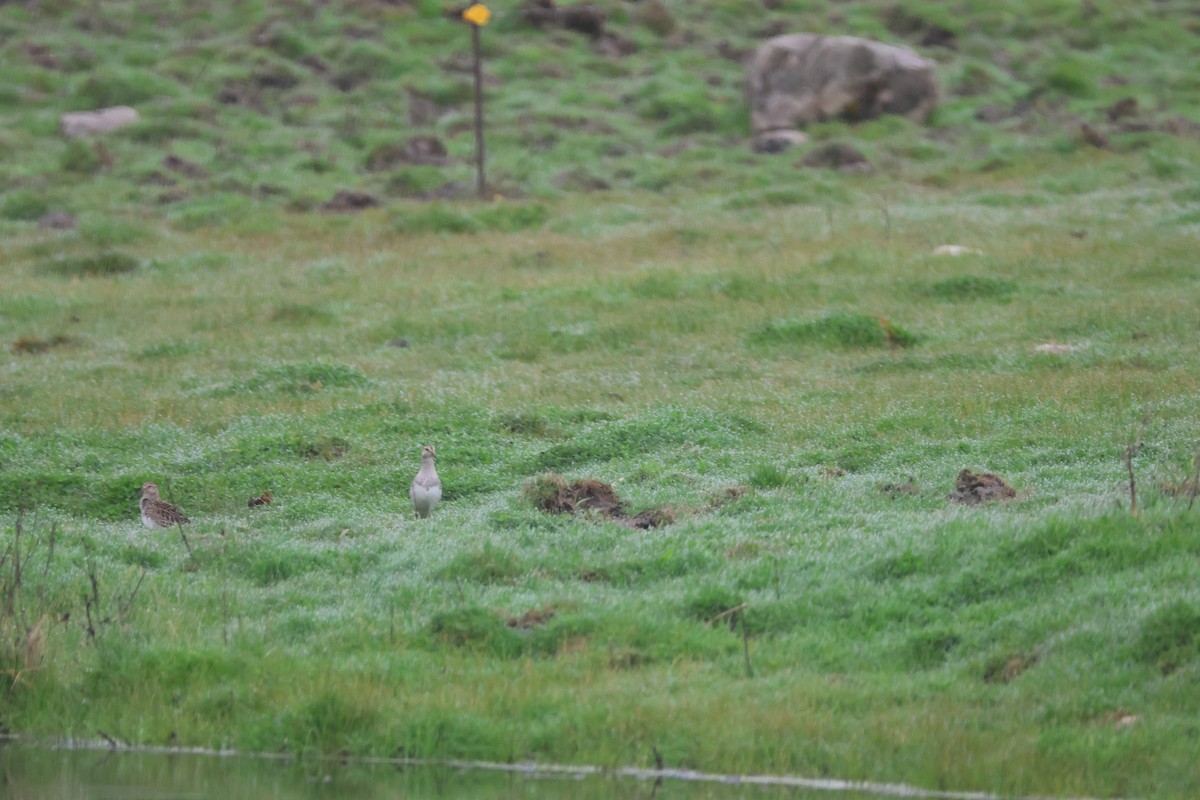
point(802, 78)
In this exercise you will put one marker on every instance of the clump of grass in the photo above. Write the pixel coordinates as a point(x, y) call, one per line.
point(1007, 667)
point(24, 206)
point(269, 566)
point(326, 448)
point(769, 476)
point(1071, 77)
point(305, 378)
point(1170, 636)
point(930, 648)
point(512, 217)
point(713, 603)
point(81, 158)
point(840, 329)
point(487, 565)
point(328, 720)
point(120, 87)
point(298, 314)
point(504, 217)
point(435, 219)
point(112, 233)
point(475, 628)
point(96, 266)
point(527, 423)
point(972, 287)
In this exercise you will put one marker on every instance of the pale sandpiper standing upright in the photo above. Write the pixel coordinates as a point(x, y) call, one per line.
point(426, 489)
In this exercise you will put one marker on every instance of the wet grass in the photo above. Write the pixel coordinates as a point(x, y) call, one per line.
point(776, 356)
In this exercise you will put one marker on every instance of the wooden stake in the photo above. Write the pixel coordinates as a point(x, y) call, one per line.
point(480, 181)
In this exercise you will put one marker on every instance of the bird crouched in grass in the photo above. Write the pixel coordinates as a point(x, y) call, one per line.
point(426, 489)
point(156, 512)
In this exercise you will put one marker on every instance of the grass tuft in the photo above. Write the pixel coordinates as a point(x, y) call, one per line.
point(840, 329)
point(972, 287)
point(97, 266)
point(1169, 636)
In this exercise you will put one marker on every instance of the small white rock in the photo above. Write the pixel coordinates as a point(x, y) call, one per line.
point(956, 250)
point(1055, 348)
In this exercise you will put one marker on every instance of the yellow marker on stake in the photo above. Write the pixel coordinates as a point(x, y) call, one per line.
point(477, 15)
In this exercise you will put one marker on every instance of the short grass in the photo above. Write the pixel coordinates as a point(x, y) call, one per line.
point(774, 354)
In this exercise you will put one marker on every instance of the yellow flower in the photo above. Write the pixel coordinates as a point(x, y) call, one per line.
point(477, 14)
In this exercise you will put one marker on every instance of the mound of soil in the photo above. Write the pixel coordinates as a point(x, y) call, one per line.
point(551, 493)
point(348, 200)
point(531, 618)
point(974, 488)
point(836, 155)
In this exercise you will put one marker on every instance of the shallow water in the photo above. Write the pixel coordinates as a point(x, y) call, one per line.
point(31, 773)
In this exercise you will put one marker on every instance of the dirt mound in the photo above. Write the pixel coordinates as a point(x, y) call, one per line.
point(531, 618)
point(974, 488)
point(551, 493)
point(348, 200)
point(836, 155)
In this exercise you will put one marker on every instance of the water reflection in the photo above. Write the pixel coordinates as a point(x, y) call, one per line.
point(29, 773)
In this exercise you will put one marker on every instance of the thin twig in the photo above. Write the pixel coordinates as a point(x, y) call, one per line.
point(1130, 452)
point(125, 605)
point(1128, 459)
point(746, 647)
point(183, 536)
point(727, 612)
point(1195, 481)
point(658, 765)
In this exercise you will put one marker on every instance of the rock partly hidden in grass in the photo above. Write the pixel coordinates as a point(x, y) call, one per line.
point(841, 329)
point(550, 492)
point(972, 287)
point(97, 266)
point(974, 488)
point(1170, 636)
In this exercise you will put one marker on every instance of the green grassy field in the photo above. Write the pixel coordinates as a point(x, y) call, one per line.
point(774, 355)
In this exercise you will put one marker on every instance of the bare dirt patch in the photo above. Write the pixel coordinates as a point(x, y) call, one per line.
point(905, 488)
point(27, 345)
point(348, 200)
point(1009, 668)
point(974, 488)
point(531, 618)
point(551, 493)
